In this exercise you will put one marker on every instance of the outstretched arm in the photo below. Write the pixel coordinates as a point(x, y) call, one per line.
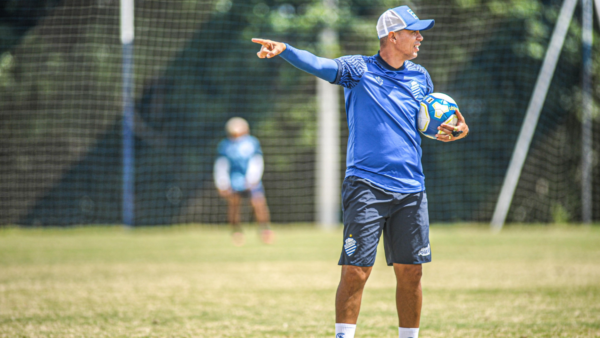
point(323, 68)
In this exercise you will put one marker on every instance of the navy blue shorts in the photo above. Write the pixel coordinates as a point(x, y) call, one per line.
point(256, 191)
point(370, 211)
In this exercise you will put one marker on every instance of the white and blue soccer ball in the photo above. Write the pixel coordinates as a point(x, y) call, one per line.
point(436, 109)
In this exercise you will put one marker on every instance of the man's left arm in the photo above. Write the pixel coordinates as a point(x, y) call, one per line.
point(256, 166)
point(452, 133)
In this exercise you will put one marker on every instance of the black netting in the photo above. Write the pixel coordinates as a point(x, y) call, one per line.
point(195, 67)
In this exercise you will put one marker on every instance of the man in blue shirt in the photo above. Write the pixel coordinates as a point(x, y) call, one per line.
point(383, 191)
point(237, 173)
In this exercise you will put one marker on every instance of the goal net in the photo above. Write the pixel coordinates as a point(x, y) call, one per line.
point(195, 67)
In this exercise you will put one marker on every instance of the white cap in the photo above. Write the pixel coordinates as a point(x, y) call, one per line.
point(388, 22)
point(399, 18)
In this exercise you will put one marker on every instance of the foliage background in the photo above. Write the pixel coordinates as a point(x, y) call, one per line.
point(60, 105)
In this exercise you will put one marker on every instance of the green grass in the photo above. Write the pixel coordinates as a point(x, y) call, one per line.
point(189, 281)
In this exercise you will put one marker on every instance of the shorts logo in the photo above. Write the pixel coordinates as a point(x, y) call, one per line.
point(350, 246)
point(425, 251)
point(340, 335)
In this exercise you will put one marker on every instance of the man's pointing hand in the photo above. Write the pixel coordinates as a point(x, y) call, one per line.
point(269, 48)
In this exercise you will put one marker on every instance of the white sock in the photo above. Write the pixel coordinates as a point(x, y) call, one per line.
point(344, 330)
point(408, 333)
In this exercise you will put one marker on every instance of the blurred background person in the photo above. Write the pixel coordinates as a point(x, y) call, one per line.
point(237, 173)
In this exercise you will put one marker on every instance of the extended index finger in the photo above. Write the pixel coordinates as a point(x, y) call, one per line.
point(266, 43)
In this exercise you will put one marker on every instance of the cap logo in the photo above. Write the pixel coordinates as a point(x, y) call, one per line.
point(412, 13)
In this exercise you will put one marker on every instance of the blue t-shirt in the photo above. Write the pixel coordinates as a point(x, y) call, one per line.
point(382, 106)
point(238, 152)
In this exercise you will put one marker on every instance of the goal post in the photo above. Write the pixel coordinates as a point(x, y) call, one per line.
point(128, 143)
point(328, 146)
point(586, 116)
point(532, 115)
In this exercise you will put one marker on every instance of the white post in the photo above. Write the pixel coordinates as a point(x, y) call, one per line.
point(586, 121)
point(328, 189)
point(128, 145)
point(597, 3)
point(532, 115)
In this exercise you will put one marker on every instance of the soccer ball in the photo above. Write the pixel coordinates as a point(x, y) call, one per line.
point(436, 109)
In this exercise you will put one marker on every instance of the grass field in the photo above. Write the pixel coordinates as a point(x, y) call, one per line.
point(189, 281)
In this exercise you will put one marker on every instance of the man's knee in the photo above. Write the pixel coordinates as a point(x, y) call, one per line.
point(408, 273)
point(355, 276)
point(258, 201)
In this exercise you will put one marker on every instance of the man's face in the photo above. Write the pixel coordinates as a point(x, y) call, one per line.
point(408, 42)
point(237, 133)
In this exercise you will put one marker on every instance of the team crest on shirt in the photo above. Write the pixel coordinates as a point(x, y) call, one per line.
point(379, 80)
point(350, 246)
point(416, 90)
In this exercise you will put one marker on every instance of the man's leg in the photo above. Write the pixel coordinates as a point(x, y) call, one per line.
point(365, 207)
point(409, 297)
point(233, 211)
point(348, 299)
point(349, 293)
point(261, 211)
point(233, 216)
point(406, 242)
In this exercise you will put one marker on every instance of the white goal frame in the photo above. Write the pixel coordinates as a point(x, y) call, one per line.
point(532, 115)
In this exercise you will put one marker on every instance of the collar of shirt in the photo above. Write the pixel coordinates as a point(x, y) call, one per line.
point(385, 65)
